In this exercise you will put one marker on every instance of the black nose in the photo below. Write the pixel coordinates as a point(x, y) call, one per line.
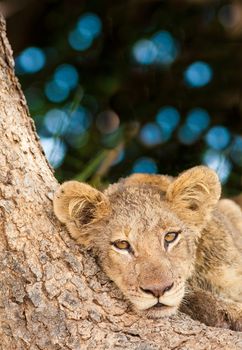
point(157, 290)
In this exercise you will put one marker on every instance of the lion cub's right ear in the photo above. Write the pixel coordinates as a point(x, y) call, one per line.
point(79, 206)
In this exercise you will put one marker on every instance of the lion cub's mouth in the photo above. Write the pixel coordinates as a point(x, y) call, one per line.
point(159, 305)
point(160, 310)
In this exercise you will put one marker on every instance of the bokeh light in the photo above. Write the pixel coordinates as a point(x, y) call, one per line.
point(218, 137)
point(66, 74)
point(187, 135)
point(168, 118)
point(90, 23)
point(229, 16)
point(80, 41)
point(145, 165)
point(55, 150)
point(166, 47)
point(107, 122)
point(108, 80)
point(56, 91)
point(236, 150)
point(30, 61)
point(56, 121)
point(145, 52)
point(88, 27)
point(72, 124)
point(196, 122)
point(198, 119)
point(150, 134)
point(79, 121)
point(218, 162)
point(198, 74)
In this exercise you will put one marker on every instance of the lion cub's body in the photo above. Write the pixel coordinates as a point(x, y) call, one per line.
point(218, 265)
point(198, 270)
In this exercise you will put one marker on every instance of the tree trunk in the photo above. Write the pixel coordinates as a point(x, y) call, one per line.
point(52, 294)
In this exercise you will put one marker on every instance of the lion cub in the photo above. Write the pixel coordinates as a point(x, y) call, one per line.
point(165, 242)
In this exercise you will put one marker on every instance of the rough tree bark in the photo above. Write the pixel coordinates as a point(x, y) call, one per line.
point(52, 294)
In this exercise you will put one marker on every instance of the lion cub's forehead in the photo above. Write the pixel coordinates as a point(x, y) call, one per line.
point(139, 210)
point(120, 194)
point(135, 200)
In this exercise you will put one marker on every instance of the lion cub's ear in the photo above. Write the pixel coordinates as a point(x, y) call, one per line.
point(194, 194)
point(79, 206)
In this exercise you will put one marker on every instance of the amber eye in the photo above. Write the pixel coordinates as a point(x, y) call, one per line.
point(122, 245)
point(171, 237)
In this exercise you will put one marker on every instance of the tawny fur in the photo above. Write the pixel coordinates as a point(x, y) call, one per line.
point(202, 268)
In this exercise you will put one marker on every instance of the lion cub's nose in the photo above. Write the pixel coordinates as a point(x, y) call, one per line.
point(157, 290)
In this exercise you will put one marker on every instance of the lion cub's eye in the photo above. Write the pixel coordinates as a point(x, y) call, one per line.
point(171, 237)
point(122, 245)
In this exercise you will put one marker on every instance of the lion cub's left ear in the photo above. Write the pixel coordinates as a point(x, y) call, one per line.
point(80, 206)
point(194, 194)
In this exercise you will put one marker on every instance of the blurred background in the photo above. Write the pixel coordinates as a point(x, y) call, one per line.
point(117, 87)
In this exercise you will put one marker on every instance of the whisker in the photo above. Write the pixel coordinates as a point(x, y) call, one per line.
point(184, 302)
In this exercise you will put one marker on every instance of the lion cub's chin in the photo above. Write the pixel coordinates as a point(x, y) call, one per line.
point(159, 312)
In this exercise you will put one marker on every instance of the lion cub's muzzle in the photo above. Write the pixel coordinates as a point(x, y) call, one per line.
point(159, 297)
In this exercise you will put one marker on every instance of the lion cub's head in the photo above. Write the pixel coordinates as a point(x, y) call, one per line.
point(144, 230)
